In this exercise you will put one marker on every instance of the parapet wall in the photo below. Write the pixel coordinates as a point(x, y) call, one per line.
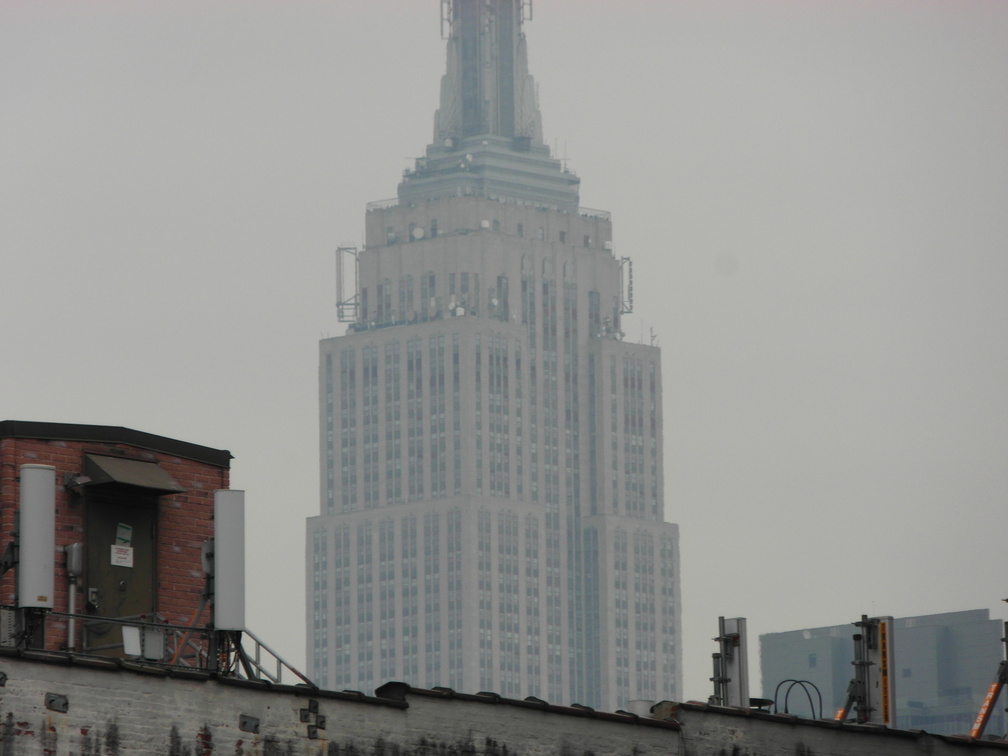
point(50, 704)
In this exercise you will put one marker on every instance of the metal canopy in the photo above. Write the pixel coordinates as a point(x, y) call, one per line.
point(103, 470)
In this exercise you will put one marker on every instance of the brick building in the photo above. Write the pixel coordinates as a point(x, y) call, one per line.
point(141, 507)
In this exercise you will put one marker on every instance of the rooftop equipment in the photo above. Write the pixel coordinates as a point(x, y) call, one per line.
point(990, 700)
point(731, 664)
point(872, 691)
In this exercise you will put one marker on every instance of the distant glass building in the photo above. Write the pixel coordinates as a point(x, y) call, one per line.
point(491, 447)
point(944, 664)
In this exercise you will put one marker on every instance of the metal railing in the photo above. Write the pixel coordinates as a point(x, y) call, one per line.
point(584, 212)
point(153, 640)
point(384, 204)
point(587, 212)
point(253, 666)
point(148, 637)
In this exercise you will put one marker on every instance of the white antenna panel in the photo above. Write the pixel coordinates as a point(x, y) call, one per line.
point(229, 560)
point(36, 566)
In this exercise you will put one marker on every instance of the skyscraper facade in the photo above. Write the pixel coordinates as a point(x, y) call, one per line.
point(491, 447)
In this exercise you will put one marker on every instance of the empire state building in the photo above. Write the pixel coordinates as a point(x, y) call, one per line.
point(491, 447)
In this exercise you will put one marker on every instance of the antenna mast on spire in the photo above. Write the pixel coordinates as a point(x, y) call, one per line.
point(447, 12)
point(446, 18)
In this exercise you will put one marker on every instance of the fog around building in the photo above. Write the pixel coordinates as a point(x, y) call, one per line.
point(813, 195)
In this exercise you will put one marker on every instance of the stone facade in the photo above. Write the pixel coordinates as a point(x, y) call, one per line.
point(492, 512)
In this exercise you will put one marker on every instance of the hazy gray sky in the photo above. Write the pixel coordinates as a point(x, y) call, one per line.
point(814, 194)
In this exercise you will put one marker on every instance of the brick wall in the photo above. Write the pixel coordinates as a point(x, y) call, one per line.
point(64, 709)
point(184, 520)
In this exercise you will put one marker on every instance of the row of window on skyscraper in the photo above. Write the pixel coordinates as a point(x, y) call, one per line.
point(395, 304)
point(416, 231)
point(369, 449)
point(395, 576)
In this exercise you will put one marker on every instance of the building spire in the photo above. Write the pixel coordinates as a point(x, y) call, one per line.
point(487, 89)
point(487, 131)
